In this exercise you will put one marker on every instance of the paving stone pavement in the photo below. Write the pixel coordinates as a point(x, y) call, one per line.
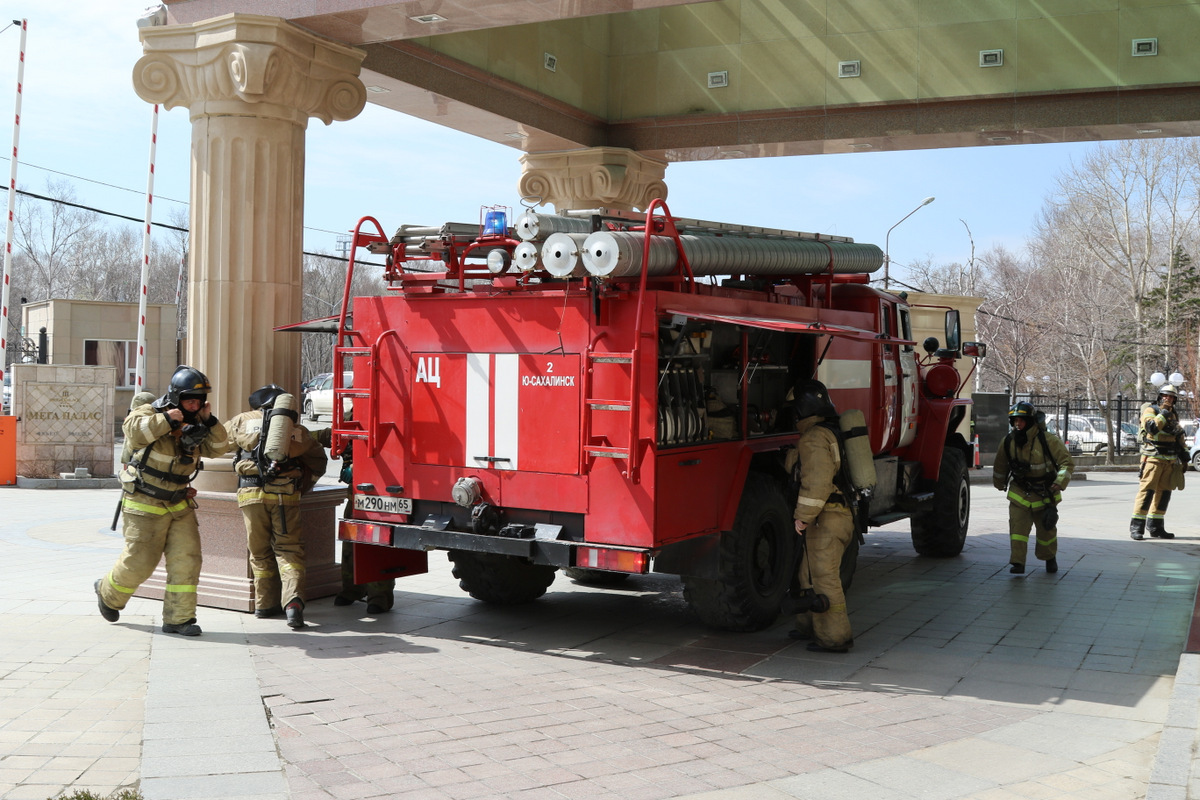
point(965, 682)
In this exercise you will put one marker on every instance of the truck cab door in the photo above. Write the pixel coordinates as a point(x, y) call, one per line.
point(908, 381)
point(887, 391)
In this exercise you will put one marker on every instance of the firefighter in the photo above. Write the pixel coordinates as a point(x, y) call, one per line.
point(276, 461)
point(825, 519)
point(1033, 466)
point(167, 438)
point(139, 399)
point(1163, 456)
point(380, 595)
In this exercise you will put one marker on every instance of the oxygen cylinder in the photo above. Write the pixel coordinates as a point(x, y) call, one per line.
point(859, 460)
point(279, 433)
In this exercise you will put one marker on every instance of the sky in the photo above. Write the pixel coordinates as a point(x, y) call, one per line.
point(82, 123)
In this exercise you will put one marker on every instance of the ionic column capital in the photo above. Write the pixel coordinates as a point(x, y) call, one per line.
point(598, 177)
point(248, 65)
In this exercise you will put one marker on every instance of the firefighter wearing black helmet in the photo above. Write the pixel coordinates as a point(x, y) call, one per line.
point(277, 461)
point(167, 438)
point(824, 517)
point(1163, 456)
point(1033, 467)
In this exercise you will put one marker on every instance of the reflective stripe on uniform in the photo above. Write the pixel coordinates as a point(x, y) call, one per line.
point(262, 574)
point(1139, 516)
point(1021, 501)
point(1016, 537)
point(149, 509)
point(810, 501)
point(119, 587)
point(1047, 542)
point(181, 587)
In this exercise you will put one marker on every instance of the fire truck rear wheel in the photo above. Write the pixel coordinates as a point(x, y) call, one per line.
point(595, 577)
point(498, 579)
point(942, 532)
point(756, 560)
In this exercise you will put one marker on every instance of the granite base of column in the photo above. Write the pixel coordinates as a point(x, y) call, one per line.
point(225, 579)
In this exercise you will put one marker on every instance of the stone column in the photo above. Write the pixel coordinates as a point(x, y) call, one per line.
point(598, 177)
point(251, 83)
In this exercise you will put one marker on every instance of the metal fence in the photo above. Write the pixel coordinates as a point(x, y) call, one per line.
point(1083, 420)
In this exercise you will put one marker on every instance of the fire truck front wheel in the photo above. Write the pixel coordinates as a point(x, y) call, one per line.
point(942, 532)
point(756, 562)
point(498, 579)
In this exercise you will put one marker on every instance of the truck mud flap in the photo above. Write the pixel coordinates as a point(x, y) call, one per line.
point(698, 557)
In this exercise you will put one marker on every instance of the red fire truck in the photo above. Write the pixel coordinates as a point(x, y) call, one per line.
point(606, 393)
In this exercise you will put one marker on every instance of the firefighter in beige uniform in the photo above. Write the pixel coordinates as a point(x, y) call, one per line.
point(167, 439)
point(269, 487)
point(1033, 466)
point(825, 520)
point(1164, 456)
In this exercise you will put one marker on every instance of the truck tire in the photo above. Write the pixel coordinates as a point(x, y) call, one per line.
point(942, 532)
point(595, 577)
point(498, 579)
point(755, 563)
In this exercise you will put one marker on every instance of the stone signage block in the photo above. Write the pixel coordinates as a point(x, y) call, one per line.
point(65, 419)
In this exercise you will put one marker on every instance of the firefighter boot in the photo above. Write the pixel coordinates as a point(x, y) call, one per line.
point(110, 614)
point(1137, 529)
point(1052, 565)
point(189, 628)
point(295, 613)
point(267, 613)
point(1155, 527)
point(1016, 569)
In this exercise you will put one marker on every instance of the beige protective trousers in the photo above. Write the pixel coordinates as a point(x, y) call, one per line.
point(274, 538)
point(149, 537)
point(1154, 489)
point(825, 542)
point(1022, 518)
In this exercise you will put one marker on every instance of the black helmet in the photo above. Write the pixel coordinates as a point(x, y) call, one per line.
point(1022, 410)
point(266, 396)
point(186, 382)
point(812, 400)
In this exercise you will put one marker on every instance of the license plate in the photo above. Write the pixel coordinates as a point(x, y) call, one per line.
point(385, 505)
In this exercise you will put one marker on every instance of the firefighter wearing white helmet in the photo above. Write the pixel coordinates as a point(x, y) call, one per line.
point(1033, 467)
point(1163, 457)
point(167, 437)
point(277, 460)
point(825, 519)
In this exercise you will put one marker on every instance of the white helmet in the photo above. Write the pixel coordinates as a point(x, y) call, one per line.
point(1168, 389)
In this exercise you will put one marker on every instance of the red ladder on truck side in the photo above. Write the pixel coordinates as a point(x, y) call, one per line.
point(350, 344)
point(632, 449)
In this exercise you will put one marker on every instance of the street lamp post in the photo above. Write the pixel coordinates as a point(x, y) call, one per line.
point(887, 259)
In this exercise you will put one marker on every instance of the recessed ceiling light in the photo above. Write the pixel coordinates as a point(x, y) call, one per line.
point(860, 146)
point(1149, 130)
point(428, 19)
point(1145, 47)
point(515, 135)
point(849, 69)
point(991, 58)
point(999, 138)
point(377, 89)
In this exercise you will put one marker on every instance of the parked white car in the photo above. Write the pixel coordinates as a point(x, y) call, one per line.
point(320, 400)
point(1091, 435)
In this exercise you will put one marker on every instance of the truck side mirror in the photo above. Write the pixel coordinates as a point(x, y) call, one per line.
point(953, 330)
point(974, 349)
